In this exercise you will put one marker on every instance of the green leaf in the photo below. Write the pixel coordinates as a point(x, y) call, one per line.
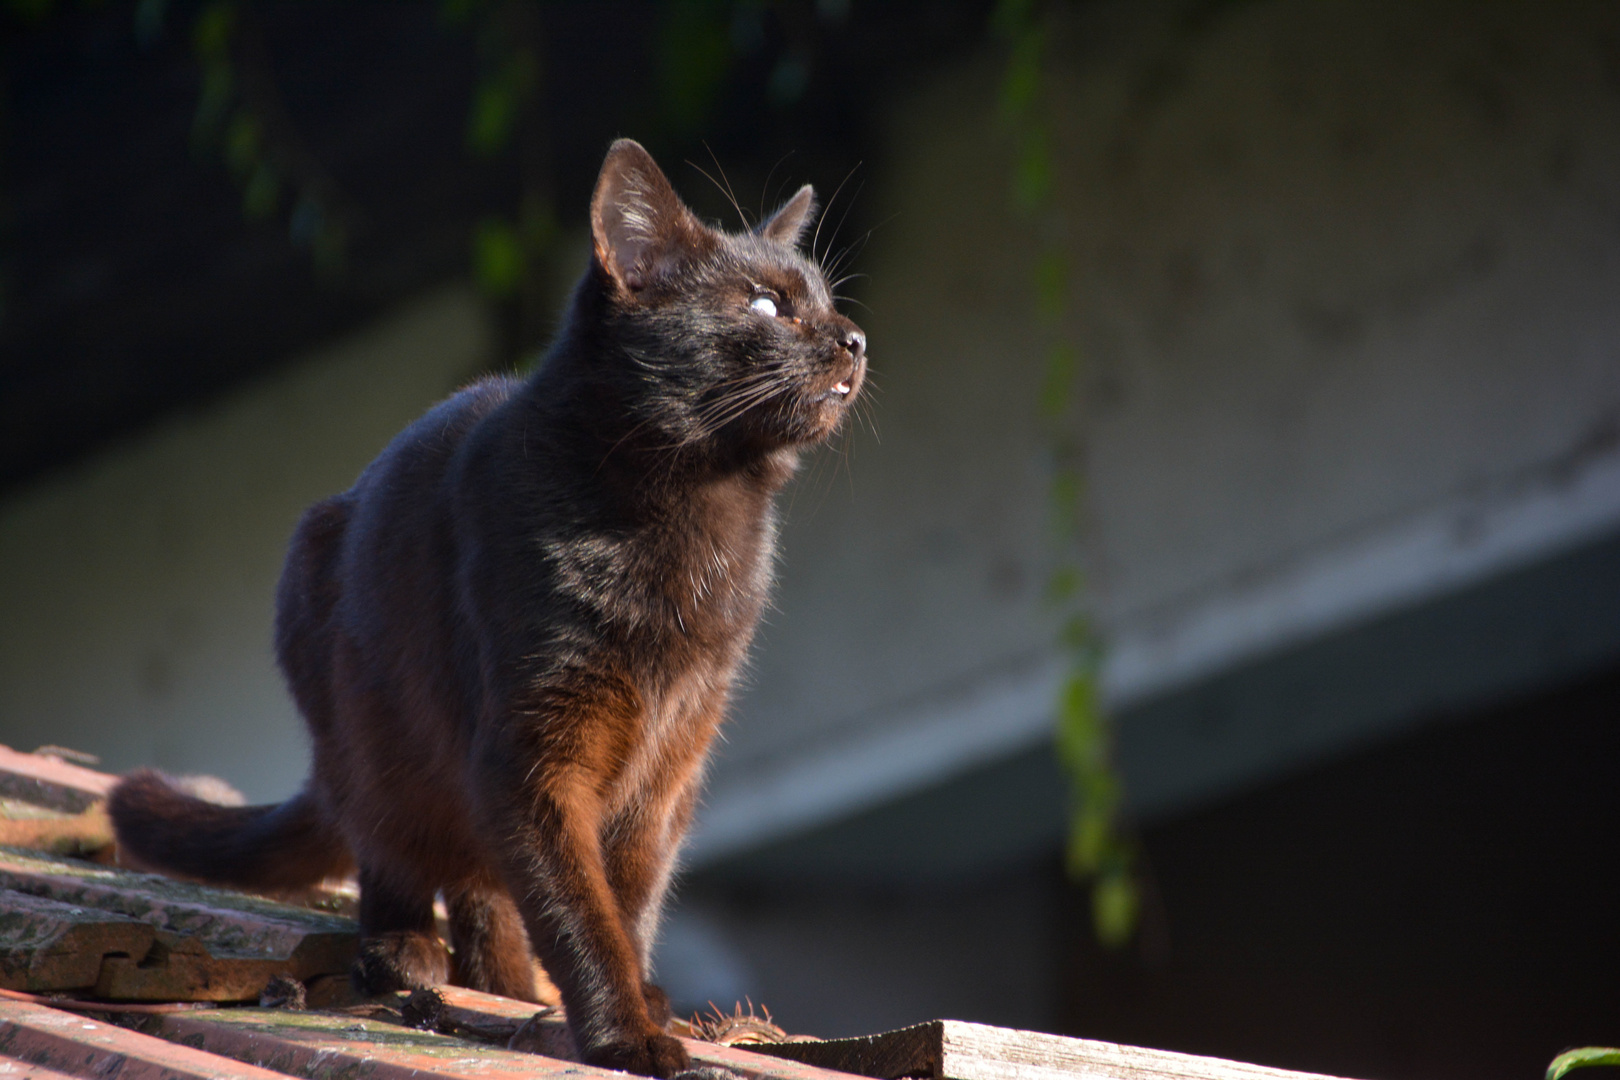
point(243, 138)
point(1011, 16)
point(1064, 583)
point(262, 194)
point(218, 86)
point(1100, 792)
point(490, 121)
point(537, 223)
point(498, 102)
point(498, 258)
point(1067, 484)
point(1051, 283)
point(1021, 85)
point(1081, 736)
point(694, 57)
point(211, 33)
point(1077, 636)
point(1579, 1059)
point(1032, 180)
point(1114, 908)
point(1062, 361)
point(1089, 837)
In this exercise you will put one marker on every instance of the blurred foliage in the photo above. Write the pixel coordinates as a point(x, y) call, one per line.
point(1581, 1058)
point(1099, 850)
point(508, 251)
point(239, 117)
point(694, 56)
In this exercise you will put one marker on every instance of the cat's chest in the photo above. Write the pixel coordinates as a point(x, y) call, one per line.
point(689, 580)
point(712, 581)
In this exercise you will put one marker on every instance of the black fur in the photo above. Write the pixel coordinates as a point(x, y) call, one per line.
point(514, 638)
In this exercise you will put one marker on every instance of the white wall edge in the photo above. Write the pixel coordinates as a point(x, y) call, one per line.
point(908, 748)
point(1405, 562)
point(1402, 563)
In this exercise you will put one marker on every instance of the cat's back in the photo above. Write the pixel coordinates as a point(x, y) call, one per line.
point(421, 452)
point(394, 562)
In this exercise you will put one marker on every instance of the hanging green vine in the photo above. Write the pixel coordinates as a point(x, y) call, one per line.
point(239, 115)
point(505, 117)
point(1099, 848)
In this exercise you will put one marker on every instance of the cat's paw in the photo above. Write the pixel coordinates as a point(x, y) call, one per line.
point(651, 1055)
point(402, 961)
point(658, 1007)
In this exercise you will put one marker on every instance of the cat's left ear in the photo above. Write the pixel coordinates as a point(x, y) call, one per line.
point(639, 225)
point(787, 225)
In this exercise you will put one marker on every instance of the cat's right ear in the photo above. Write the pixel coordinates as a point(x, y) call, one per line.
point(638, 224)
point(787, 225)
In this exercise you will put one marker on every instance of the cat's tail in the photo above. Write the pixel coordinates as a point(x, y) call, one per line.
point(288, 845)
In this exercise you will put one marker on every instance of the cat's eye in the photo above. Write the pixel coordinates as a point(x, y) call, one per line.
point(764, 305)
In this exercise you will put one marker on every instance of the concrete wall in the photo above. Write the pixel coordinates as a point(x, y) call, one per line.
point(136, 590)
point(1345, 280)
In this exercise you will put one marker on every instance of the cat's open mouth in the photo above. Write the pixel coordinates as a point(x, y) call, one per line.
point(839, 391)
point(843, 388)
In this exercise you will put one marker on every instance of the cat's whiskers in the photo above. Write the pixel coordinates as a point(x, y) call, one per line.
point(730, 407)
point(766, 186)
point(725, 188)
point(832, 267)
point(745, 392)
point(814, 240)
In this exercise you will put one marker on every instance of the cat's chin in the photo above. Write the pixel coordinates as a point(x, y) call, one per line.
point(827, 416)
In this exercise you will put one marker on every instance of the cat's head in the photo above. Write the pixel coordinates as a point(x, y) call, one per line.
point(725, 340)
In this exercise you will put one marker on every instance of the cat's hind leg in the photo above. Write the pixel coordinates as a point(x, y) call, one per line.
point(492, 951)
point(399, 944)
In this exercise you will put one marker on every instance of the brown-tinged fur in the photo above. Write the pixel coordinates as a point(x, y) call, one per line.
point(514, 638)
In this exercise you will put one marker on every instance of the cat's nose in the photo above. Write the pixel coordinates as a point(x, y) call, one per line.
point(855, 342)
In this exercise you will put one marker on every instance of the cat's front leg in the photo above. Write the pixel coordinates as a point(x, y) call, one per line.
point(640, 850)
point(554, 864)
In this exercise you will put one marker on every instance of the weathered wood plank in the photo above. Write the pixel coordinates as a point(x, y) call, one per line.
point(11, 1069)
point(548, 1034)
point(36, 1041)
point(52, 782)
point(956, 1050)
point(49, 945)
point(85, 834)
point(209, 944)
point(324, 1046)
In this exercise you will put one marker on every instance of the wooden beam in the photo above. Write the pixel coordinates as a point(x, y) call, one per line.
point(546, 1032)
point(205, 945)
point(47, 1044)
point(321, 1046)
point(52, 782)
point(86, 834)
point(955, 1050)
point(49, 945)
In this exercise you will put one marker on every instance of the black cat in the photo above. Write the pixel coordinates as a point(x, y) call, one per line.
point(514, 638)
